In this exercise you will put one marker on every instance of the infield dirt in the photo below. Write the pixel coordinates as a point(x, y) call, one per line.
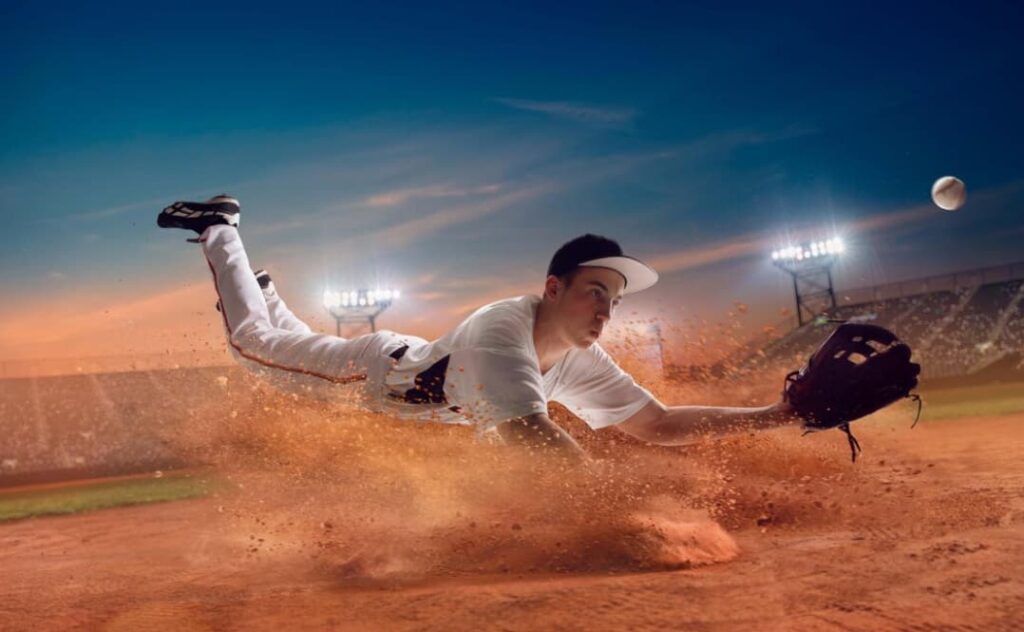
point(375, 524)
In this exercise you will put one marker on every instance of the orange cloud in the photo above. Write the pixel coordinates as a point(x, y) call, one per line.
point(706, 255)
point(406, 231)
point(175, 321)
point(401, 196)
point(758, 244)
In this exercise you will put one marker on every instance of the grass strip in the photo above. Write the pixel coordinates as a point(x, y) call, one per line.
point(74, 499)
point(974, 401)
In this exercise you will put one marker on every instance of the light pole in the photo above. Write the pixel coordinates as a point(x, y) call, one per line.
point(358, 306)
point(810, 265)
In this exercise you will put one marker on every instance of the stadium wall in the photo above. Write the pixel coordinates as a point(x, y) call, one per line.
point(104, 424)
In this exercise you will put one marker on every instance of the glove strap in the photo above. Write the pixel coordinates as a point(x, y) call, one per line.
point(854, 444)
point(916, 398)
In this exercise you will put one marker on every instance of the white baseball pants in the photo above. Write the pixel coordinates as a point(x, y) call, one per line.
point(267, 338)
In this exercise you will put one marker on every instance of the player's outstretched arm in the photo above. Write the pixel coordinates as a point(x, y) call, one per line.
point(538, 431)
point(678, 425)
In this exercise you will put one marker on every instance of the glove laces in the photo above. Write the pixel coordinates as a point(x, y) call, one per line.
point(916, 398)
point(854, 444)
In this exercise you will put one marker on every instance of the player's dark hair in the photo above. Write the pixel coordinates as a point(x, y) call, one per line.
point(566, 262)
point(569, 277)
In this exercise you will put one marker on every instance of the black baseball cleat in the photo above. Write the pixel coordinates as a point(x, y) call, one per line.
point(198, 216)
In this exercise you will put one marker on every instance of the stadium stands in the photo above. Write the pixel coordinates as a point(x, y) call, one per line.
point(74, 426)
point(968, 337)
point(953, 332)
point(1008, 335)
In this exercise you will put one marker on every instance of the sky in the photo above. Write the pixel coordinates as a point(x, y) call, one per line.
point(449, 149)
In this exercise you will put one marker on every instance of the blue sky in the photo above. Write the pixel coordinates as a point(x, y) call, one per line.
point(448, 149)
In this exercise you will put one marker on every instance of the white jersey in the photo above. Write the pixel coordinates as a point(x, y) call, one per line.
point(486, 371)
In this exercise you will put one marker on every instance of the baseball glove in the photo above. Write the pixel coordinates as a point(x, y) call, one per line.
point(856, 371)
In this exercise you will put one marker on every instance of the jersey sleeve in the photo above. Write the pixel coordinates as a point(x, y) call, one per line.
point(598, 391)
point(494, 385)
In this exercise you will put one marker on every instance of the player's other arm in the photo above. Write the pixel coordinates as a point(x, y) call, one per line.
point(538, 431)
point(678, 425)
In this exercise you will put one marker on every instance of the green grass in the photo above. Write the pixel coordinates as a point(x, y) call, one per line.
point(102, 495)
point(973, 401)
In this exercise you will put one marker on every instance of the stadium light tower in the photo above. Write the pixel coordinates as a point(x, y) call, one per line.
point(358, 306)
point(810, 265)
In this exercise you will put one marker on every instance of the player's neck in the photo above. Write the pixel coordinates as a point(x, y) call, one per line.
point(547, 339)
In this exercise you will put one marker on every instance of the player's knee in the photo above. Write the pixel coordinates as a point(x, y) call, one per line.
point(247, 338)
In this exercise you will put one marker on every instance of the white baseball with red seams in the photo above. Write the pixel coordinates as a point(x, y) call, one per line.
point(949, 193)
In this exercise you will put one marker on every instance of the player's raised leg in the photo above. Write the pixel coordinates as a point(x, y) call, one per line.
point(305, 356)
point(280, 318)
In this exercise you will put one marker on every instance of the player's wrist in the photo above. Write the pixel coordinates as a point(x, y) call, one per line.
point(783, 412)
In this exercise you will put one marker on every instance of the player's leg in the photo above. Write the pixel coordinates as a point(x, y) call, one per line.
point(301, 357)
point(280, 316)
point(247, 318)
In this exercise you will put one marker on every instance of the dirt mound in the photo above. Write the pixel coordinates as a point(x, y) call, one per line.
point(339, 521)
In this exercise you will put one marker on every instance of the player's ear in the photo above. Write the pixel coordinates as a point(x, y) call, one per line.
point(552, 287)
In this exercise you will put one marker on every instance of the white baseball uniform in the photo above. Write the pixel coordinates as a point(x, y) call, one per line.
point(483, 372)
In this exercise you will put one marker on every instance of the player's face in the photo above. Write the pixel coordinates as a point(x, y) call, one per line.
point(587, 304)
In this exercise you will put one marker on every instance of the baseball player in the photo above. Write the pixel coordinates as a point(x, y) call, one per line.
point(496, 370)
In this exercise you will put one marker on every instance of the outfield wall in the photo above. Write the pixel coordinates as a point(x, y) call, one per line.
point(76, 426)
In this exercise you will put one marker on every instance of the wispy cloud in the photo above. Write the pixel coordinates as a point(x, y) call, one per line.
point(155, 204)
point(152, 204)
point(399, 197)
point(885, 221)
point(603, 116)
point(721, 143)
point(114, 323)
point(352, 216)
point(112, 211)
point(708, 254)
point(757, 244)
point(404, 232)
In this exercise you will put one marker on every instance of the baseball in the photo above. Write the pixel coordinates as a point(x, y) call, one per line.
point(949, 193)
